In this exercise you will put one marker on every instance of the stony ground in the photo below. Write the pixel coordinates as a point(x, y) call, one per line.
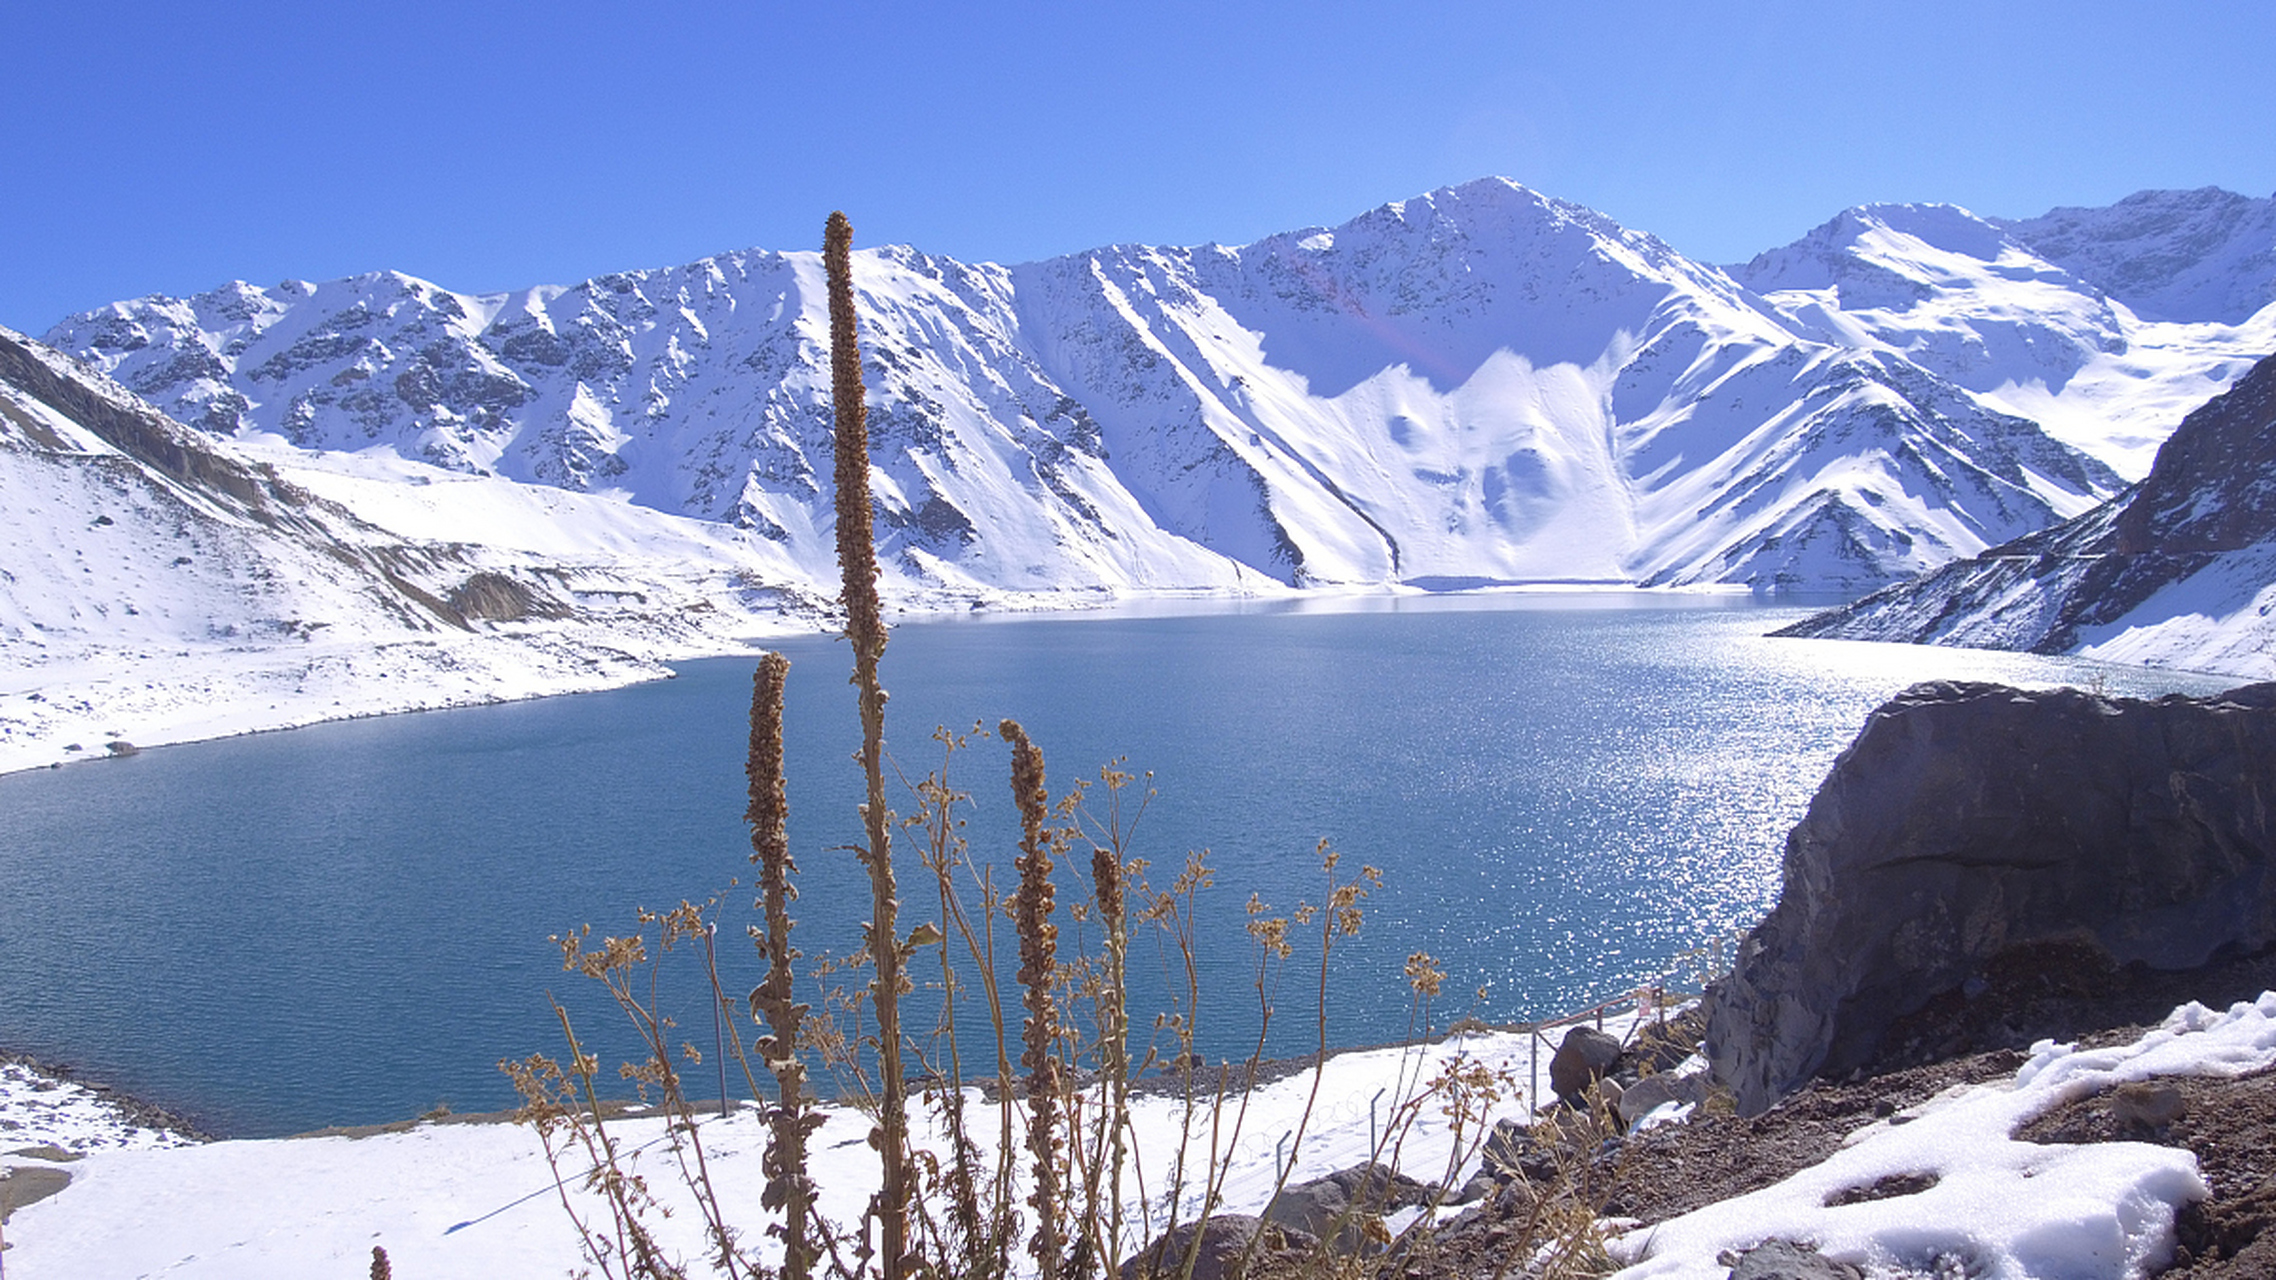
point(2053, 993)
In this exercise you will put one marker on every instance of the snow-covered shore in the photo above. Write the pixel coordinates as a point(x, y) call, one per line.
point(70, 710)
point(479, 1199)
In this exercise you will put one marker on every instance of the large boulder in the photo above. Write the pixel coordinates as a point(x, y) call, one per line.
point(1230, 1244)
point(1969, 820)
point(1586, 1056)
point(1655, 1091)
point(1339, 1207)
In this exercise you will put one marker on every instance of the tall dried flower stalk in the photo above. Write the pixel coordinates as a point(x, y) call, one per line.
point(791, 1119)
point(865, 629)
point(1114, 1048)
point(1109, 893)
point(1038, 966)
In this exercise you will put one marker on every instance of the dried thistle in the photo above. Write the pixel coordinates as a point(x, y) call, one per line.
point(1114, 1037)
point(1038, 963)
point(865, 628)
point(791, 1119)
point(1423, 973)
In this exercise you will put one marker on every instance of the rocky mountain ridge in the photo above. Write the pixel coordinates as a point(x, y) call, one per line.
point(2104, 326)
point(2180, 570)
point(166, 585)
point(1483, 384)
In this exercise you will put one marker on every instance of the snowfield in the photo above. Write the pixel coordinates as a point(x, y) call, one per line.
point(479, 1199)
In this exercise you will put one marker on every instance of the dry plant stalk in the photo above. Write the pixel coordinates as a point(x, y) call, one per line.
point(564, 1106)
point(968, 1211)
point(788, 1187)
point(1038, 971)
point(865, 629)
point(1107, 870)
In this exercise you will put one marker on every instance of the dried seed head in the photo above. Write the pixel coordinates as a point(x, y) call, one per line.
point(1423, 973)
point(1106, 885)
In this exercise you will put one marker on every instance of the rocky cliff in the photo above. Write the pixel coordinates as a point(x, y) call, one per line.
point(1970, 820)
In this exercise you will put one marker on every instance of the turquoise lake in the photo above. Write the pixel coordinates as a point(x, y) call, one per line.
point(348, 923)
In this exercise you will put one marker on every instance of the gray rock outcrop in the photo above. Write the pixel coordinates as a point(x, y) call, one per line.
point(1339, 1207)
point(1790, 1260)
point(1651, 1092)
point(1967, 820)
point(1584, 1057)
point(1226, 1240)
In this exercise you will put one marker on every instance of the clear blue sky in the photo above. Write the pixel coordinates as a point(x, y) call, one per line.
point(168, 147)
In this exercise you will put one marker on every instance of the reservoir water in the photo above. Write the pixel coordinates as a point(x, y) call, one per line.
point(348, 923)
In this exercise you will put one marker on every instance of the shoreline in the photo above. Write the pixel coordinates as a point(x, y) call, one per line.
point(140, 1112)
point(163, 695)
point(128, 1112)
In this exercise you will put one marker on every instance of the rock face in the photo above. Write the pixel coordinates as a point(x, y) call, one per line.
point(1970, 819)
point(1226, 1238)
point(1340, 1207)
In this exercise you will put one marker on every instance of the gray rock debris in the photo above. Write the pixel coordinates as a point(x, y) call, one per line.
point(1339, 1207)
point(1788, 1260)
point(1225, 1239)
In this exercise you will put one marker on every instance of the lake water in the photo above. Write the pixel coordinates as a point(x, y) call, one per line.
point(348, 923)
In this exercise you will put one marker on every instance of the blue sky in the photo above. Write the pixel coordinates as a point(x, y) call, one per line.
point(168, 147)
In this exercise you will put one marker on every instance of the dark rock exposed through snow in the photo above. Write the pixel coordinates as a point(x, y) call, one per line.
point(1971, 821)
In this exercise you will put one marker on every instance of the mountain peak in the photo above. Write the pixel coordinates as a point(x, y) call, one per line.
point(1482, 381)
point(2200, 255)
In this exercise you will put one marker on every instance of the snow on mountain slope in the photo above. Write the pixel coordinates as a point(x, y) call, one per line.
point(2180, 571)
point(1489, 384)
point(1998, 308)
point(163, 586)
point(700, 390)
point(1862, 468)
point(2203, 256)
point(1483, 384)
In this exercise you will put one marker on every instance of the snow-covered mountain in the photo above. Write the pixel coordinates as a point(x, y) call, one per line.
point(1483, 384)
point(2180, 571)
point(162, 585)
point(2203, 256)
point(2104, 326)
point(400, 495)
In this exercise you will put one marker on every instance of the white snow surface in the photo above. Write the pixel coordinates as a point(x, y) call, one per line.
point(2000, 1209)
point(2104, 326)
point(41, 1109)
point(2216, 619)
point(479, 1199)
